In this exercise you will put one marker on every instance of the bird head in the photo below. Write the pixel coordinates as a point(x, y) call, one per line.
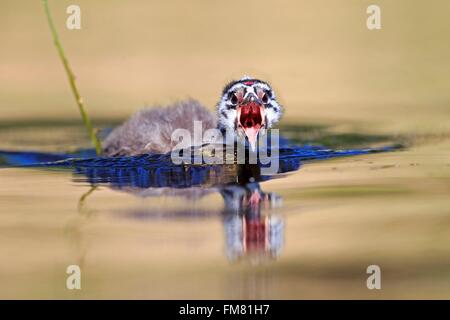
point(248, 107)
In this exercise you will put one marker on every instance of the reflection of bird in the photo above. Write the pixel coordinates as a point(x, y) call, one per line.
point(251, 229)
point(247, 107)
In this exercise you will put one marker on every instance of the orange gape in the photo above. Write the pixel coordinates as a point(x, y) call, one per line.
point(251, 115)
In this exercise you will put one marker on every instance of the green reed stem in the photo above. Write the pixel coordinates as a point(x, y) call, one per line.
point(72, 82)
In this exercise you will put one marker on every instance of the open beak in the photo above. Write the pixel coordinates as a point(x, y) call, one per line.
point(251, 118)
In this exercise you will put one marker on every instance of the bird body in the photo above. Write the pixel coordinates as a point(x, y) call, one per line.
point(150, 130)
point(247, 107)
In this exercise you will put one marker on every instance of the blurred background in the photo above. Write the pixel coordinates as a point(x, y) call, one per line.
point(320, 57)
point(328, 70)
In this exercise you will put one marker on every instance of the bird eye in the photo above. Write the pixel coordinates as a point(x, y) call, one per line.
point(233, 99)
point(265, 98)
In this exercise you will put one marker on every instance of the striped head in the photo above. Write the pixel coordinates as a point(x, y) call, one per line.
point(248, 107)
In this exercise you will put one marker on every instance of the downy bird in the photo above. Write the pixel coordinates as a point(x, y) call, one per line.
point(247, 107)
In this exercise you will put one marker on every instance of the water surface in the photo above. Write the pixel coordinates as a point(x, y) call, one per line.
point(309, 233)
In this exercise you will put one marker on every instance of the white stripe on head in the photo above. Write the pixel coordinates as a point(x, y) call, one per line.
point(251, 87)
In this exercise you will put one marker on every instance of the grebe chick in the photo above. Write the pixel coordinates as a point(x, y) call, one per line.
point(246, 107)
